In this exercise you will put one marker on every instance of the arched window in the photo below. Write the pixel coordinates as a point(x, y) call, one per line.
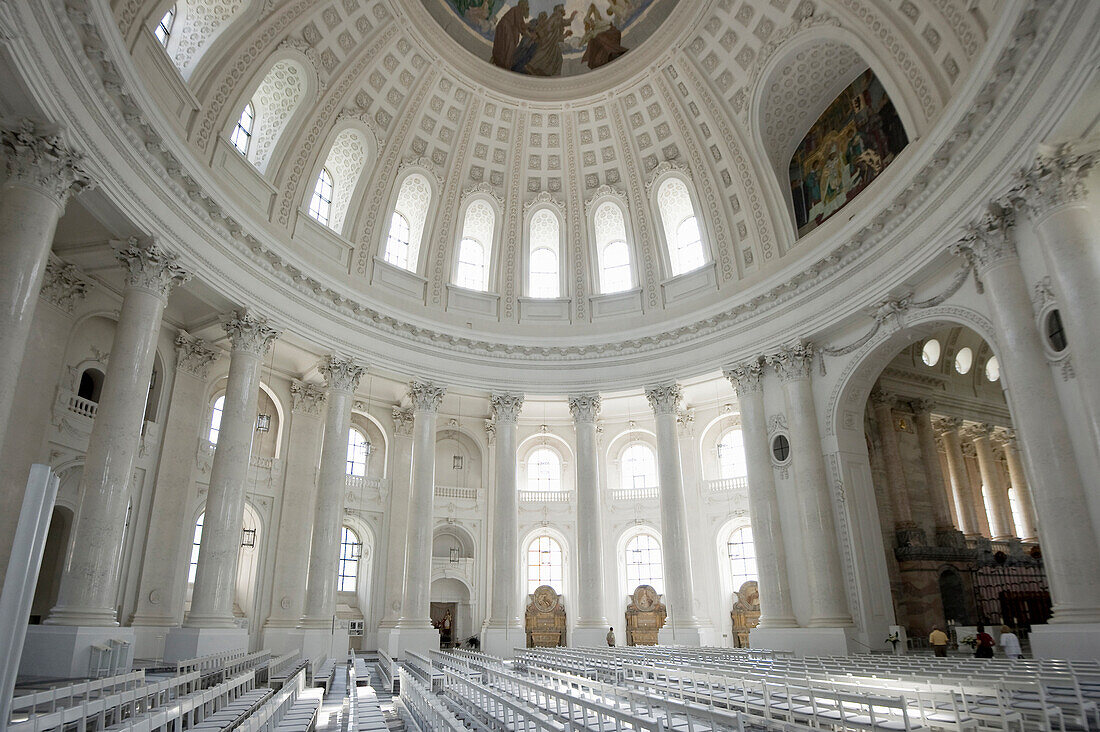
point(274, 104)
point(731, 455)
point(545, 564)
point(242, 133)
point(639, 466)
point(476, 246)
point(196, 26)
point(407, 224)
point(320, 206)
point(543, 470)
point(544, 233)
point(644, 563)
point(471, 265)
point(685, 241)
point(358, 452)
point(742, 556)
point(612, 250)
point(351, 549)
point(993, 369)
point(195, 542)
point(216, 420)
point(964, 359)
point(163, 30)
point(930, 354)
point(345, 163)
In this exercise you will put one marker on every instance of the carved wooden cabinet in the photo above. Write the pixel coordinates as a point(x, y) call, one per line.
point(745, 613)
point(645, 616)
point(545, 618)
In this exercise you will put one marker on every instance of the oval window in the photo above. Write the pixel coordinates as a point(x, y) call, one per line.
point(1056, 334)
point(964, 360)
point(781, 448)
point(931, 353)
point(993, 369)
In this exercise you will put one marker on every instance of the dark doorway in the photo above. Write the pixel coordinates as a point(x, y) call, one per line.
point(953, 594)
point(444, 618)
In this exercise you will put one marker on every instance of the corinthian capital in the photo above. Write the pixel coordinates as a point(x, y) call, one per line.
point(1055, 179)
point(746, 378)
point(403, 421)
point(793, 362)
point(665, 398)
point(306, 398)
point(341, 374)
point(43, 162)
point(425, 396)
point(922, 405)
point(151, 268)
point(63, 284)
point(989, 240)
point(585, 407)
point(193, 356)
point(249, 333)
point(506, 407)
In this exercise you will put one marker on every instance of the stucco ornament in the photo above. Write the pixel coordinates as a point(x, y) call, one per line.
point(793, 362)
point(306, 398)
point(249, 333)
point(585, 407)
point(64, 284)
point(746, 378)
point(193, 356)
point(151, 268)
point(425, 396)
point(341, 374)
point(1056, 179)
point(989, 240)
point(43, 161)
point(506, 407)
point(665, 399)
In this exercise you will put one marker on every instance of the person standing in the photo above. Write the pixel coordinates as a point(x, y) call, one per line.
point(938, 640)
point(985, 643)
point(611, 637)
point(509, 31)
point(1011, 643)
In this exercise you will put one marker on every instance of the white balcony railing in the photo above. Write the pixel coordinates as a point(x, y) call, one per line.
point(448, 491)
point(83, 407)
point(724, 485)
point(360, 482)
point(635, 494)
point(546, 496)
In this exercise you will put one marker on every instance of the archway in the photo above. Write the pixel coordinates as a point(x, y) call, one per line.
point(53, 563)
point(451, 610)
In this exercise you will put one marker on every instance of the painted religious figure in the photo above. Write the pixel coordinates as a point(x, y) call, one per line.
point(849, 145)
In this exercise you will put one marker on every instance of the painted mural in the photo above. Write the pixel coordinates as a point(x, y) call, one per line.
point(849, 145)
point(552, 37)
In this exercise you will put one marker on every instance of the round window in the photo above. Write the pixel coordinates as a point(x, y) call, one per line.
point(964, 360)
point(781, 448)
point(931, 352)
point(992, 369)
point(1056, 334)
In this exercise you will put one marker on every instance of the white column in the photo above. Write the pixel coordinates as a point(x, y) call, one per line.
point(815, 503)
point(776, 609)
point(906, 532)
point(675, 542)
point(1071, 551)
point(41, 175)
point(89, 586)
point(250, 338)
point(965, 505)
point(592, 625)
point(994, 495)
point(1018, 478)
point(946, 534)
point(342, 378)
point(503, 630)
point(398, 517)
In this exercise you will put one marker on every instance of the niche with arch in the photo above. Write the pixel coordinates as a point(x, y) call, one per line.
point(458, 464)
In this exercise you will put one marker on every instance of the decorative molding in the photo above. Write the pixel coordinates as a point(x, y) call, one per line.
point(482, 189)
point(988, 241)
point(403, 421)
point(306, 398)
point(150, 268)
point(425, 396)
point(605, 191)
point(341, 374)
point(544, 198)
point(249, 333)
point(1055, 179)
point(64, 284)
point(746, 378)
point(506, 407)
point(491, 431)
point(36, 158)
point(585, 407)
point(793, 363)
point(193, 356)
point(665, 398)
point(666, 166)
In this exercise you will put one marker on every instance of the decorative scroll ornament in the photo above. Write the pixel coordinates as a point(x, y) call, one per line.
point(1055, 179)
point(988, 241)
point(193, 356)
point(249, 333)
point(64, 284)
point(403, 421)
point(425, 396)
point(44, 162)
point(506, 407)
point(151, 268)
point(665, 398)
point(746, 378)
point(341, 374)
point(793, 362)
point(306, 398)
point(585, 407)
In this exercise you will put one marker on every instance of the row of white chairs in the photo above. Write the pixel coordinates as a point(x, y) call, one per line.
point(425, 708)
point(388, 668)
point(291, 709)
point(421, 667)
point(68, 695)
point(192, 711)
point(365, 713)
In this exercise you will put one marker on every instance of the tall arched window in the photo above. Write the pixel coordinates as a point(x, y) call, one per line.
point(345, 163)
point(685, 240)
point(543, 470)
point(407, 224)
point(320, 206)
point(476, 246)
point(216, 420)
point(545, 564)
point(358, 452)
point(196, 540)
point(742, 556)
point(242, 133)
point(639, 466)
point(612, 250)
point(274, 104)
point(351, 550)
point(731, 455)
point(544, 234)
point(163, 31)
point(644, 563)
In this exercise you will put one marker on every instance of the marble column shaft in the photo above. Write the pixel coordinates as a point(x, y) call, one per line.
point(824, 572)
point(937, 490)
point(398, 516)
point(416, 605)
point(505, 605)
point(89, 586)
point(776, 607)
point(675, 540)
point(590, 566)
point(993, 490)
point(342, 378)
point(1018, 477)
point(250, 338)
point(895, 471)
point(1071, 551)
point(965, 503)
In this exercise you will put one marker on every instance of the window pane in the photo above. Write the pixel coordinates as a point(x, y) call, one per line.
point(685, 242)
point(964, 360)
point(930, 354)
point(543, 470)
point(216, 420)
point(320, 206)
point(742, 557)
point(397, 245)
point(407, 225)
point(348, 570)
point(242, 133)
point(195, 542)
point(471, 265)
point(544, 273)
point(644, 563)
point(689, 246)
point(163, 30)
point(358, 452)
point(545, 564)
point(639, 467)
point(731, 455)
point(615, 272)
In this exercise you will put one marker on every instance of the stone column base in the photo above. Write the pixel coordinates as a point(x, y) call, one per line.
point(503, 641)
point(184, 643)
point(280, 640)
point(595, 636)
point(695, 636)
point(149, 640)
point(395, 641)
point(65, 651)
point(321, 643)
point(805, 641)
point(1070, 641)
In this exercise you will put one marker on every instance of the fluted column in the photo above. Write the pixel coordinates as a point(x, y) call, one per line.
point(946, 533)
point(1054, 194)
point(675, 543)
point(415, 607)
point(776, 608)
point(1016, 475)
point(824, 571)
point(585, 409)
point(994, 494)
point(89, 586)
point(250, 337)
point(42, 173)
point(1072, 552)
point(965, 503)
point(342, 378)
point(907, 532)
point(505, 605)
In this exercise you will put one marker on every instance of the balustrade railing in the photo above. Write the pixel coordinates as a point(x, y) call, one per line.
point(635, 494)
point(546, 496)
point(722, 485)
point(360, 482)
point(83, 407)
point(447, 491)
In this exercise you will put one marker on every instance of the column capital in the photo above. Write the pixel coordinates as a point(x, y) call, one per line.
point(882, 398)
point(403, 421)
point(948, 424)
point(1008, 439)
point(425, 396)
point(506, 407)
point(922, 405)
point(793, 363)
point(193, 356)
point(306, 398)
point(585, 407)
point(981, 431)
point(44, 162)
point(665, 398)
point(989, 240)
point(249, 333)
point(63, 284)
point(151, 268)
point(746, 378)
point(1056, 178)
point(341, 374)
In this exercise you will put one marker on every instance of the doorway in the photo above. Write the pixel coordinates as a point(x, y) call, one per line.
point(444, 615)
